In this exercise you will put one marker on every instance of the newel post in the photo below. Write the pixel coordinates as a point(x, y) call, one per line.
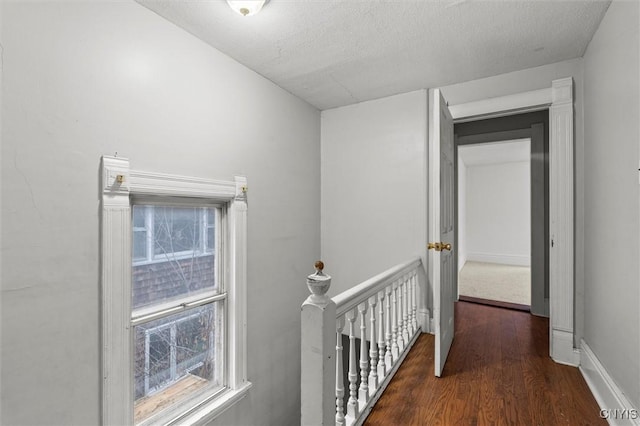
point(318, 344)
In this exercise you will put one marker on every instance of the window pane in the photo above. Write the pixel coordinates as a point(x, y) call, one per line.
point(177, 357)
point(176, 229)
point(159, 353)
point(211, 239)
point(139, 245)
point(186, 270)
point(211, 230)
point(138, 217)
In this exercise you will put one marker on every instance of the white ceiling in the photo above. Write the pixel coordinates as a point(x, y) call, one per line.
point(339, 52)
point(495, 153)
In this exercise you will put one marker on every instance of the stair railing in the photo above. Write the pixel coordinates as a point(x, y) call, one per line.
point(353, 343)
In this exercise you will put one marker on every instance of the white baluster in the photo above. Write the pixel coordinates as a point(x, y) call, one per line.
point(395, 350)
point(339, 374)
point(399, 316)
point(373, 350)
point(363, 394)
point(414, 298)
point(352, 404)
point(405, 311)
point(412, 329)
point(401, 342)
point(389, 336)
point(382, 371)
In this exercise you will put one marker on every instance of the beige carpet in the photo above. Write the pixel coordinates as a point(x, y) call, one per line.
point(505, 283)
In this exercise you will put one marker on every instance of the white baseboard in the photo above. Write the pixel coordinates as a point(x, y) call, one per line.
point(462, 259)
point(606, 392)
point(504, 259)
point(424, 320)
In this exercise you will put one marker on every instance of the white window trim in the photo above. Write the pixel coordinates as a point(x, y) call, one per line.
point(118, 184)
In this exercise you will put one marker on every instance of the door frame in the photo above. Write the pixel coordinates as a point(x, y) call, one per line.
point(559, 100)
point(534, 131)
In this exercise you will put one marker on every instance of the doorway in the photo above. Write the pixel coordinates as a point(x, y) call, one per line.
point(505, 254)
point(558, 99)
point(494, 223)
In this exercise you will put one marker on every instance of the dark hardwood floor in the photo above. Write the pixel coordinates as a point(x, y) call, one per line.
point(498, 373)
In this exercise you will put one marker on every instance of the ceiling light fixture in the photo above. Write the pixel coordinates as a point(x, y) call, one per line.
point(246, 7)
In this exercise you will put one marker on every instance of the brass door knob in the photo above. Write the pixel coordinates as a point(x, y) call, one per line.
point(435, 246)
point(439, 246)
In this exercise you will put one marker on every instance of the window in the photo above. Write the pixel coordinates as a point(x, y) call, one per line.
point(176, 349)
point(176, 355)
point(173, 295)
point(174, 253)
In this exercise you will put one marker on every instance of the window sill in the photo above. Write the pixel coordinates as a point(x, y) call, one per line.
point(212, 409)
point(148, 406)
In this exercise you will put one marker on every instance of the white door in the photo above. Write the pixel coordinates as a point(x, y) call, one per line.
point(441, 227)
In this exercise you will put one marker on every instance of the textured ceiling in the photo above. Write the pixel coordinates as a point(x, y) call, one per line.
point(339, 52)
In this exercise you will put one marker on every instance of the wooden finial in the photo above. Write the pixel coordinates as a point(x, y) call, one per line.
point(319, 283)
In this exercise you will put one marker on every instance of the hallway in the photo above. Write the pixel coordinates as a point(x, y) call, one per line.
point(498, 372)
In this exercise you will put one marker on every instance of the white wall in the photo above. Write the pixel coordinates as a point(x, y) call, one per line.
point(83, 79)
point(611, 196)
point(498, 216)
point(533, 79)
point(462, 213)
point(373, 186)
